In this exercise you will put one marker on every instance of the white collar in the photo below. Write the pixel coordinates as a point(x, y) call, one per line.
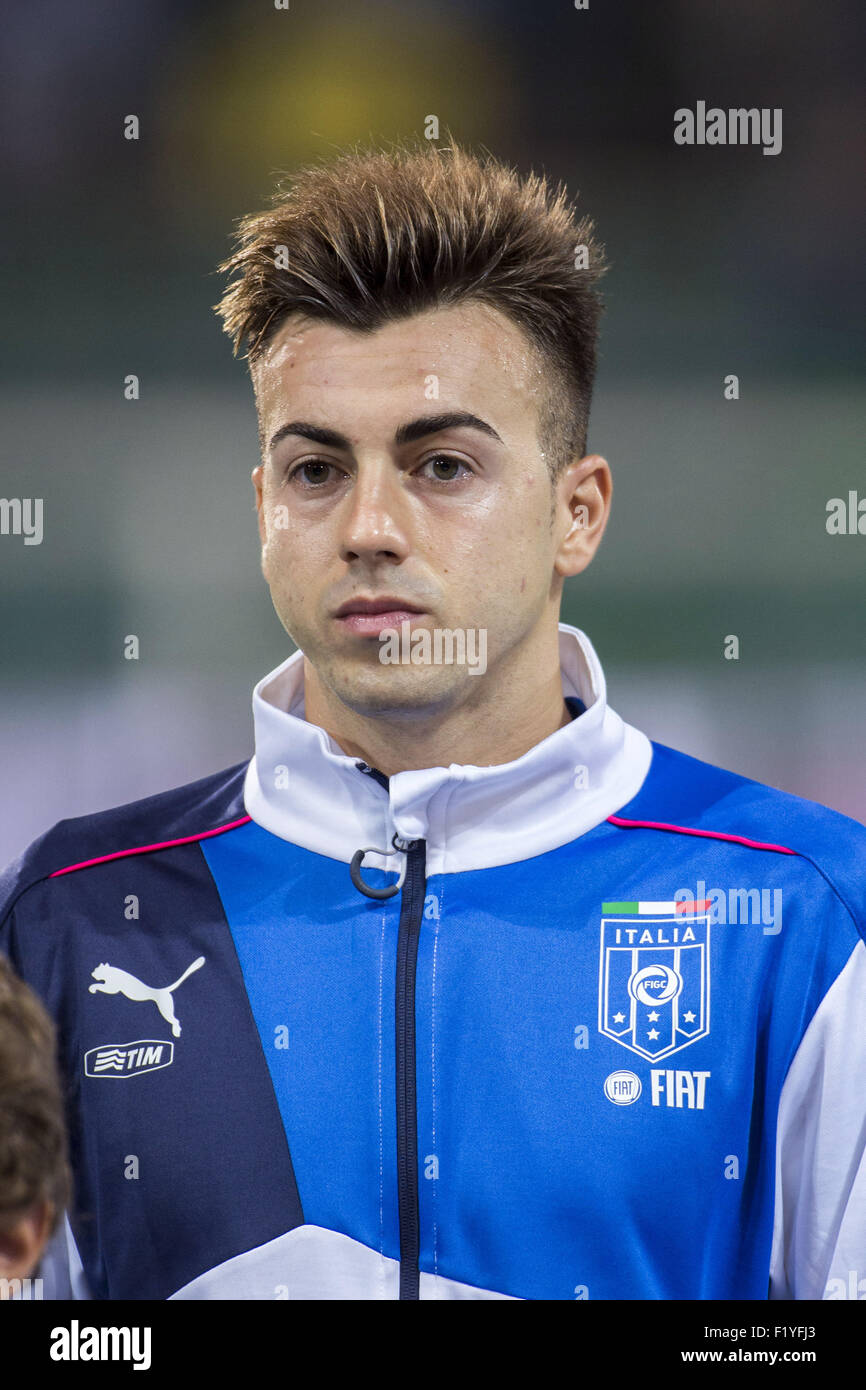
point(302, 787)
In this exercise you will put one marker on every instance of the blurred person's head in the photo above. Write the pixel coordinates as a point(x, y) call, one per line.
point(405, 310)
point(35, 1180)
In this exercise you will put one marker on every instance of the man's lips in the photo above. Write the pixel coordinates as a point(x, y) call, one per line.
point(369, 617)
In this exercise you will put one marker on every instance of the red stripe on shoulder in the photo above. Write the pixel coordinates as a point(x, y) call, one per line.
point(710, 834)
point(148, 849)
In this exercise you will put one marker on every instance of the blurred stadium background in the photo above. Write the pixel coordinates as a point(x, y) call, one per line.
point(723, 261)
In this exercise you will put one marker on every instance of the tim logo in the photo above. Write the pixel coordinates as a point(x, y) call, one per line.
point(654, 977)
point(128, 1059)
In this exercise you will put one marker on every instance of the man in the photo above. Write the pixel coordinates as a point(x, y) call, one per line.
point(34, 1172)
point(435, 998)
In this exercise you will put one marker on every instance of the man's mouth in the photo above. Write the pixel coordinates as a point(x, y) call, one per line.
point(369, 617)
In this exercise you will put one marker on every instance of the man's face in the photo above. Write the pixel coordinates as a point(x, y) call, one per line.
point(390, 504)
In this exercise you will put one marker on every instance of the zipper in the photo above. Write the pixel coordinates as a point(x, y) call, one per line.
point(411, 913)
point(408, 933)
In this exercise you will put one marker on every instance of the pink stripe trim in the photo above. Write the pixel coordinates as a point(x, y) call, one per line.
point(147, 849)
point(710, 834)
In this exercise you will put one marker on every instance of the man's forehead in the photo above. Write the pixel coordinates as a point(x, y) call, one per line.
point(460, 346)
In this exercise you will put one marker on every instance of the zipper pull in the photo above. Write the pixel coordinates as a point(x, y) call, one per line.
point(401, 846)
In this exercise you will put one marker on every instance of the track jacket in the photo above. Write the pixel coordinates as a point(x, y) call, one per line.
point(605, 1040)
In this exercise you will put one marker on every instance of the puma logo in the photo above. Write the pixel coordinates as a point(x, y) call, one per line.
point(114, 981)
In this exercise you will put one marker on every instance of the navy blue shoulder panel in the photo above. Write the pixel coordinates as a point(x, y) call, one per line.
point(180, 1157)
point(191, 809)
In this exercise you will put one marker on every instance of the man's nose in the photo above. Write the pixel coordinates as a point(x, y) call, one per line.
point(375, 524)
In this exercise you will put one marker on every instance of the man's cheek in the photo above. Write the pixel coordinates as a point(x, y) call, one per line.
point(289, 566)
point(283, 539)
point(276, 557)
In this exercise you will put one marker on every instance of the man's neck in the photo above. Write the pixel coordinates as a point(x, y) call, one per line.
point(520, 708)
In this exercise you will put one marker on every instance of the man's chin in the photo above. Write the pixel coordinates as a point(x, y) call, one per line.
point(400, 692)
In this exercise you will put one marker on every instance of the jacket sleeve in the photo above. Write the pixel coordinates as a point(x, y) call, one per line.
point(819, 1236)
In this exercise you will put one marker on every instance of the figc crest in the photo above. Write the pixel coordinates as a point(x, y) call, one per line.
point(654, 975)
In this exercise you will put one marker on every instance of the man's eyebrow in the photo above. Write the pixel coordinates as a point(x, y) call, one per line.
point(317, 433)
point(436, 424)
point(405, 434)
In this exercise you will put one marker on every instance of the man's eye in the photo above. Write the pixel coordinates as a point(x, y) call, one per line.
point(445, 467)
point(313, 472)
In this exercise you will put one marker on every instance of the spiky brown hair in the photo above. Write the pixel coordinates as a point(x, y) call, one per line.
point(377, 235)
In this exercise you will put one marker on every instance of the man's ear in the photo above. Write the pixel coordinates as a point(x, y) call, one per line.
point(581, 508)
